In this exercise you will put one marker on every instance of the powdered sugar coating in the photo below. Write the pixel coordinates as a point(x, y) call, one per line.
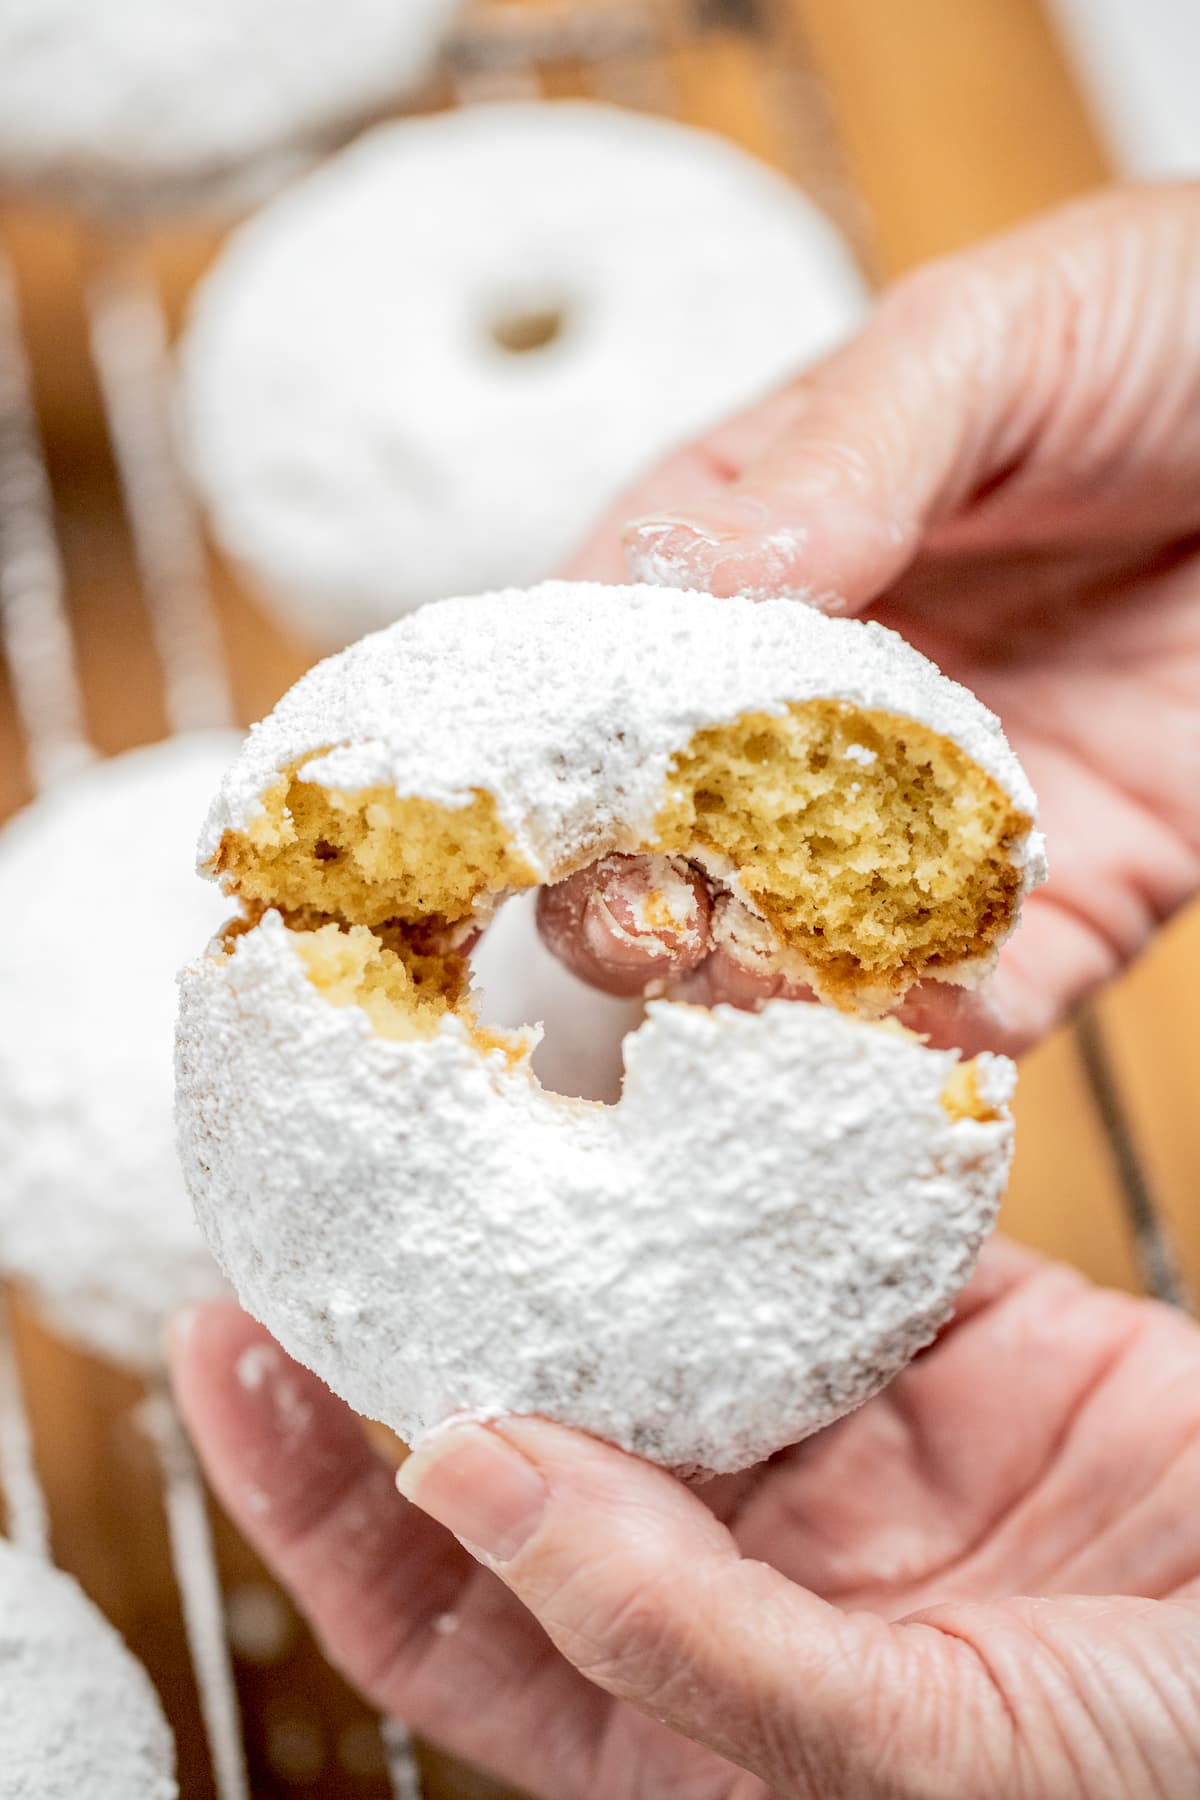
point(568, 702)
point(363, 441)
point(773, 1220)
point(136, 104)
point(78, 1715)
point(102, 905)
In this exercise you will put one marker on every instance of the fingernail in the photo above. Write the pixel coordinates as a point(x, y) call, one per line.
point(662, 554)
point(676, 549)
point(604, 937)
point(473, 1481)
point(719, 520)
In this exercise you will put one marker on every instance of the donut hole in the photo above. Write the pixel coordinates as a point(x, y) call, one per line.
point(518, 983)
point(874, 850)
point(405, 1002)
point(523, 330)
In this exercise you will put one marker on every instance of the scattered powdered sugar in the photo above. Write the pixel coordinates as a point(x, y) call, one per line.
point(861, 754)
point(293, 1412)
point(78, 1715)
point(102, 905)
point(135, 104)
point(656, 557)
point(254, 1366)
point(667, 899)
point(678, 551)
point(774, 1218)
point(455, 698)
point(260, 1369)
point(342, 355)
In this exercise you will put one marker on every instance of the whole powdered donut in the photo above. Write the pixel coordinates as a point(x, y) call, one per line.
point(78, 1715)
point(147, 104)
point(94, 1219)
point(429, 367)
point(780, 1209)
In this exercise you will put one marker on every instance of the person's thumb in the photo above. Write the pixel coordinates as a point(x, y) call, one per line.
point(1050, 347)
point(641, 1588)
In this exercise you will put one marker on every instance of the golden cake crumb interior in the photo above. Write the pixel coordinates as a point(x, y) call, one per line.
point(876, 850)
point(352, 967)
point(371, 857)
point(961, 1098)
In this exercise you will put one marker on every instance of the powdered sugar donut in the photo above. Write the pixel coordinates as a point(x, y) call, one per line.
point(132, 104)
point(780, 1209)
point(94, 1219)
point(77, 1713)
point(429, 367)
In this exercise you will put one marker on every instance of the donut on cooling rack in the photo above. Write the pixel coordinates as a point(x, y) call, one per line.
point(95, 1223)
point(782, 1206)
point(429, 367)
point(143, 105)
point(78, 1715)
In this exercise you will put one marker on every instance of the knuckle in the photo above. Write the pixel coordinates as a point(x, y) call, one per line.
point(623, 1636)
point(959, 306)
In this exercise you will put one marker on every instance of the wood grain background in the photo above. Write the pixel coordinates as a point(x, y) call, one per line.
point(955, 118)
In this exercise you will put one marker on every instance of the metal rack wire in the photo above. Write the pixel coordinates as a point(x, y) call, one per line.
point(626, 51)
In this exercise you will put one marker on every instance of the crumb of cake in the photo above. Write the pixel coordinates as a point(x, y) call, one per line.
point(961, 1097)
point(873, 847)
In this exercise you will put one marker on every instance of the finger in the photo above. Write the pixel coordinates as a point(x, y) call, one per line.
point(744, 967)
point(938, 1442)
point(398, 1605)
point(643, 1590)
point(1015, 386)
point(689, 476)
point(1003, 1266)
point(652, 925)
point(645, 924)
point(628, 924)
point(723, 980)
point(648, 924)
point(969, 1019)
point(1116, 1509)
point(879, 442)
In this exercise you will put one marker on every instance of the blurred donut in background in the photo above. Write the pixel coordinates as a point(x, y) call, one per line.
point(94, 1221)
point(429, 367)
point(77, 1713)
point(152, 105)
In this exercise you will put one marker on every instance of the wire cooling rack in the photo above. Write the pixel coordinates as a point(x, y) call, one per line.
point(741, 64)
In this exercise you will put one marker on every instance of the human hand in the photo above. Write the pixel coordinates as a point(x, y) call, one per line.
point(985, 1582)
point(1005, 467)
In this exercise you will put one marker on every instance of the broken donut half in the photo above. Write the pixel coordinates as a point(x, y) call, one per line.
point(782, 1206)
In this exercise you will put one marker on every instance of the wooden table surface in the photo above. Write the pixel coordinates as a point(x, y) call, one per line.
point(956, 118)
